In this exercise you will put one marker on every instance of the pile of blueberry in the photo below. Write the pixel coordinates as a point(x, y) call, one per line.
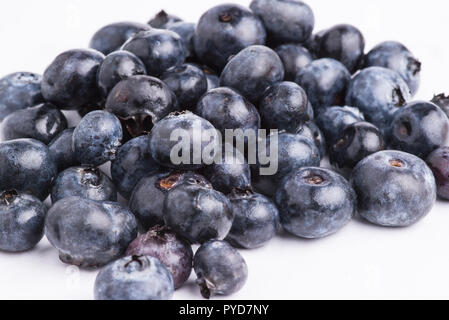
point(237, 68)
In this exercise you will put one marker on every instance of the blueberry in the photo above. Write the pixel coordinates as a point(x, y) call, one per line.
point(213, 81)
point(315, 202)
point(312, 131)
point(42, 122)
point(419, 128)
point(224, 31)
point(158, 49)
point(284, 106)
point(70, 82)
point(22, 218)
point(83, 182)
point(378, 93)
point(325, 82)
point(141, 101)
point(173, 251)
point(394, 188)
point(118, 66)
point(111, 37)
point(197, 212)
point(18, 91)
point(186, 31)
point(395, 56)
point(162, 20)
point(27, 166)
point(438, 161)
point(256, 220)
point(89, 233)
point(61, 150)
point(156, 186)
point(344, 43)
point(442, 101)
point(294, 57)
point(188, 82)
point(285, 20)
point(198, 147)
point(134, 278)
point(252, 71)
point(97, 138)
point(220, 269)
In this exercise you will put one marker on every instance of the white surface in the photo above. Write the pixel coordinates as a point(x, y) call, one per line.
point(361, 261)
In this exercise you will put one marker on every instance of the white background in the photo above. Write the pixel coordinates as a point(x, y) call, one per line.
point(361, 261)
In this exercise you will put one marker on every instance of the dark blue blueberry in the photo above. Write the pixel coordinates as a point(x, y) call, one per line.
point(83, 182)
point(188, 82)
point(22, 219)
point(162, 20)
point(116, 67)
point(155, 187)
point(378, 93)
point(224, 31)
point(134, 278)
point(19, 90)
point(294, 57)
point(325, 82)
point(395, 56)
point(312, 131)
point(97, 138)
point(285, 20)
point(394, 188)
point(132, 163)
point(438, 161)
point(284, 106)
point(89, 233)
point(197, 212)
point(213, 80)
point(173, 251)
point(141, 101)
point(158, 49)
point(315, 202)
point(42, 122)
point(252, 71)
point(26, 166)
point(220, 269)
point(111, 37)
point(442, 101)
point(186, 31)
point(61, 150)
point(419, 128)
point(70, 82)
point(256, 220)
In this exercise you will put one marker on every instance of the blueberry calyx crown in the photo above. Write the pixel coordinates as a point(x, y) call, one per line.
point(225, 17)
point(398, 97)
point(414, 65)
point(314, 179)
point(166, 184)
point(134, 259)
point(8, 196)
point(138, 125)
point(91, 176)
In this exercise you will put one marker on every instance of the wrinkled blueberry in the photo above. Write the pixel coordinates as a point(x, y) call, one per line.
point(186, 31)
point(294, 57)
point(438, 161)
point(312, 131)
point(162, 20)
point(61, 150)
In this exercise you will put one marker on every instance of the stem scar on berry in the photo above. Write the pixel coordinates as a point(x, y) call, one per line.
point(225, 17)
point(397, 163)
point(314, 179)
point(8, 196)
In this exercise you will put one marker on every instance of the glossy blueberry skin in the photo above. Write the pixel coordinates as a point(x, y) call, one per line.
point(155, 187)
point(163, 19)
point(442, 101)
point(26, 166)
point(225, 30)
point(285, 20)
point(70, 82)
point(134, 278)
point(315, 203)
point(197, 213)
point(220, 269)
point(158, 49)
point(18, 91)
point(186, 31)
point(284, 106)
point(356, 142)
point(395, 56)
point(394, 188)
point(42, 122)
point(256, 220)
point(22, 218)
point(344, 43)
point(61, 150)
point(312, 131)
point(111, 37)
point(325, 82)
point(141, 101)
point(252, 71)
point(419, 128)
point(169, 248)
point(294, 58)
point(438, 162)
point(116, 67)
point(378, 93)
point(83, 182)
point(97, 138)
point(188, 82)
point(227, 109)
point(161, 144)
point(89, 233)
